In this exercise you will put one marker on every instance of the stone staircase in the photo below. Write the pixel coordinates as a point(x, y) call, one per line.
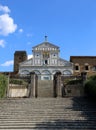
point(45, 88)
point(47, 114)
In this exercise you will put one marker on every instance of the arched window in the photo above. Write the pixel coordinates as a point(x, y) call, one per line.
point(46, 72)
point(87, 67)
point(46, 75)
point(67, 72)
point(77, 67)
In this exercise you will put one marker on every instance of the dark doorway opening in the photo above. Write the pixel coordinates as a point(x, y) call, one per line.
point(46, 62)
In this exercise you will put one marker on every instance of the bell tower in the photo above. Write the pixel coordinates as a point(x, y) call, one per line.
point(19, 56)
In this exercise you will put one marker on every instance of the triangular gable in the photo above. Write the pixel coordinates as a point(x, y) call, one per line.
point(46, 45)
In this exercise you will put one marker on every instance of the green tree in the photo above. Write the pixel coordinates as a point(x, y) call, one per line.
point(90, 86)
point(3, 85)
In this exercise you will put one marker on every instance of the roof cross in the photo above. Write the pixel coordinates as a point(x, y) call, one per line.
point(46, 38)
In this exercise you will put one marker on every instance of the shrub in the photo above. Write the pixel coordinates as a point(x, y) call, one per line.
point(3, 85)
point(16, 81)
point(90, 86)
point(74, 82)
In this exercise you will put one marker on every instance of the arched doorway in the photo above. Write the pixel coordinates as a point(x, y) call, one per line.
point(46, 75)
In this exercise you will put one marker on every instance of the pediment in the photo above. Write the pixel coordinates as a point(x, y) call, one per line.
point(46, 45)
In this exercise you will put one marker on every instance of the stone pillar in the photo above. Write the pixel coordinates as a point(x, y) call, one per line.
point(55, 86)
point(57, 90)
point(84, 77)
point(33, 84)
point(36, 85)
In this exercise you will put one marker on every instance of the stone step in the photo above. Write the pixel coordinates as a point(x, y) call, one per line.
point(48, 126)
point(47, 113)
point(45, 88)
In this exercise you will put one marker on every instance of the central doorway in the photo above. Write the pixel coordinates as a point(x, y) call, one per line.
point(46, 75)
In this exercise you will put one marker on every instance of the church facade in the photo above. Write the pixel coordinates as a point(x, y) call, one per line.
point(46, 62)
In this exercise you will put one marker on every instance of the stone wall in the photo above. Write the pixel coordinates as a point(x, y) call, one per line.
point(82, 61)
point(63, 89)
point(74, 90)
point(18, 91)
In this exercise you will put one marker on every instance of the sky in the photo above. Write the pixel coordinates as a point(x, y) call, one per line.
point(69, 24)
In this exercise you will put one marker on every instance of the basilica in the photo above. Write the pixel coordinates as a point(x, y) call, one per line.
point(45, 61)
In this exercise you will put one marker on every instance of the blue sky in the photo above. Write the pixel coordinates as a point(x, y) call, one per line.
point(70, 24)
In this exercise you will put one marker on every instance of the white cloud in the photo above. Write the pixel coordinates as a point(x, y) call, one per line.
point(30, 56)
point(4, 9)
point(21, 30)
point(7, 25)
point(8, 63)
point(2, 43)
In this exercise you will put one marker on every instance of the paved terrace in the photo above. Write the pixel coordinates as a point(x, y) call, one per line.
point(47, 114)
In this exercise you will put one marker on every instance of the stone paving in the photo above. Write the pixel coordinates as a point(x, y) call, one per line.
point(47, 114)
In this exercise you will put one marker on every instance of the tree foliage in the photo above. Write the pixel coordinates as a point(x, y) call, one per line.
point(3, 85)
point(90, 86)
